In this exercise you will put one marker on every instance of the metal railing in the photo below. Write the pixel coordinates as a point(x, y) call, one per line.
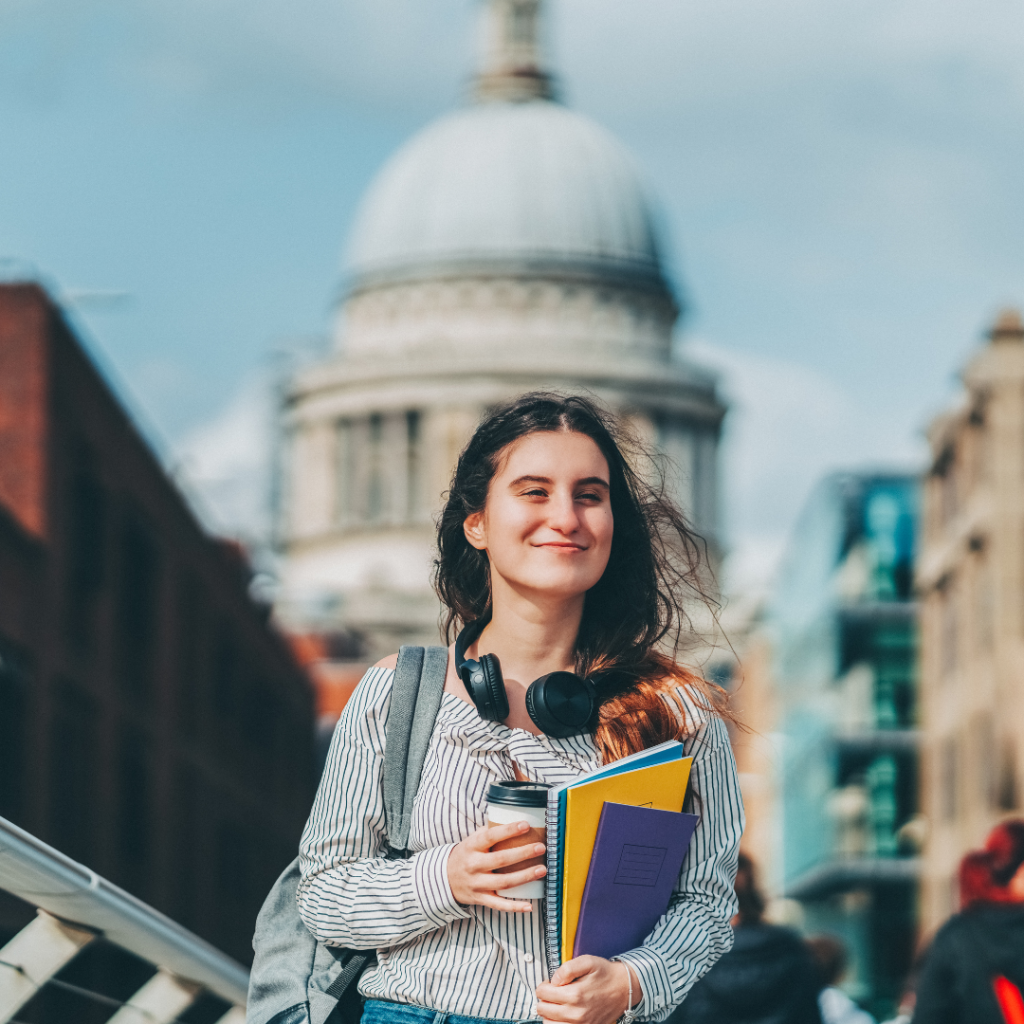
point(75, 907)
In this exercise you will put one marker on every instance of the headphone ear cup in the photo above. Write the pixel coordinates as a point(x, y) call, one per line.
point(494, 688)
point(561, 704)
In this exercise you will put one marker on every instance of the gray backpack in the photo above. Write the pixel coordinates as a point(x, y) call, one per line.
point(295, 979)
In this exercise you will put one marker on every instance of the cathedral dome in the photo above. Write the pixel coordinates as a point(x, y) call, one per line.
point(507, 187)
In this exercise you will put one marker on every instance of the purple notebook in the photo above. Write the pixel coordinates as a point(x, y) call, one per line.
point(637, 857)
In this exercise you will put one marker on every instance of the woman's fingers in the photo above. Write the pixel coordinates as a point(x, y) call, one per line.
point(495, 883)
point(575, 968)
point(564, 1013)
point(498, 902)
point(505, 858)
point(547, 992)
point(488, 862)
point(484, 838)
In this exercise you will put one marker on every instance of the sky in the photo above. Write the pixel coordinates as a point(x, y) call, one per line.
point(838, 185)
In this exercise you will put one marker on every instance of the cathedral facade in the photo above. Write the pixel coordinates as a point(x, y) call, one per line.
point(509, 246)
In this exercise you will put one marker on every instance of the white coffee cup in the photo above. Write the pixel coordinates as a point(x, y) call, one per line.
point(507, 803)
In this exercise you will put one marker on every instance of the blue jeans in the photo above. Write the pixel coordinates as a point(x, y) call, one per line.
point(379, 1011)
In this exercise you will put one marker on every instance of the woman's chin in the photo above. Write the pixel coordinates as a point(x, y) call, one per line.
point(555, 587)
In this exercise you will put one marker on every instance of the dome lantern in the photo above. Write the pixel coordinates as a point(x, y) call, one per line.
point(511, 70)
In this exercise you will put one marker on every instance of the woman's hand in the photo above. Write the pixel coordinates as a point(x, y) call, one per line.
point(587, 990)
point(472, 866)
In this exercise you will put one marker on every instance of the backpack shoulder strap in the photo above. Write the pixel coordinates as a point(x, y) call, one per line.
point(415, 698)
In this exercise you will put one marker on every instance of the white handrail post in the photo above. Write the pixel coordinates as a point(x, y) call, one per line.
point(34, 956)
point(159, 1001)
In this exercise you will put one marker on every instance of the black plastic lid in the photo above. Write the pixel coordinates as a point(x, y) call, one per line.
point(514, 793)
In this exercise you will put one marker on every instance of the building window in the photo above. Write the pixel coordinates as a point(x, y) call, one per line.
point(1007, 785)
point(948, 778)
point(413, 465)
point(946, 470)
point(191, 615)
point(345, 475)
point(137, 608)
point(984, 605)
point(74, 743)
point(187, 848)
point(375, 474)
point(225, 673)
point(134, 822)
point(881, 784)
point(87, 516)
point(262, 719)
point(983, 756)
point(950, 626)
point(13, 726)
point(236, 885)
point(979, 448)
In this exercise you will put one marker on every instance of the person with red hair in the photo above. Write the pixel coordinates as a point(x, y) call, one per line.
point(975, 878)
point(974, 971)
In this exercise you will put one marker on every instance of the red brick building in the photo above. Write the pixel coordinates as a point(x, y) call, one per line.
point(152, 723)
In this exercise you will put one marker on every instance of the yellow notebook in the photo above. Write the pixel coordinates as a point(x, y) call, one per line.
point(661, 786)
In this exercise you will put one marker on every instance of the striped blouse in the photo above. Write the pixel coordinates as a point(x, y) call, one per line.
point(472, 960)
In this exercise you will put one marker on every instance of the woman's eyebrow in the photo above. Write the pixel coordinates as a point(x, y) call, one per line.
point(588, 481)
point(527, 479)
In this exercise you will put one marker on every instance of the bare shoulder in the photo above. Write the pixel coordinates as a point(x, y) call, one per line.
point(391, 661)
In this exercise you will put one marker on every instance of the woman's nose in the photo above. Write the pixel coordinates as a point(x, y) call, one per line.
point(562, 514)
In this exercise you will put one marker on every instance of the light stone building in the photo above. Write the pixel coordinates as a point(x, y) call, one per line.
point(971, 581)
point(508, 246)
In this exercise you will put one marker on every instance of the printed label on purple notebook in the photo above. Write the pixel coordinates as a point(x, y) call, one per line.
point(640, 865)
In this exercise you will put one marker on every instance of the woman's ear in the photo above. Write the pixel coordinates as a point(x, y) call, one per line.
point(473, 527)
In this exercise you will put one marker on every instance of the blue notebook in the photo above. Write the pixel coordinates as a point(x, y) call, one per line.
point(637, 858)
point(668, 751)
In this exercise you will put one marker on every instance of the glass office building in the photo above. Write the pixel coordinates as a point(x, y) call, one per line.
point(843, 625)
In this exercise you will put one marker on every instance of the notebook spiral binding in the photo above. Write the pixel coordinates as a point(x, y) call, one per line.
point(552, 890)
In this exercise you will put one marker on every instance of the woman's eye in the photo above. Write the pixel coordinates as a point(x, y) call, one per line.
point(588, 496)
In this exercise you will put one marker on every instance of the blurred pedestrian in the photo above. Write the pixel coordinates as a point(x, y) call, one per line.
point(768, 977)
point(974, 971)
point(837, 1007)
point(908, 997)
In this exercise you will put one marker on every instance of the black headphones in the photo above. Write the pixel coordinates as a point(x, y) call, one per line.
point(561, 704)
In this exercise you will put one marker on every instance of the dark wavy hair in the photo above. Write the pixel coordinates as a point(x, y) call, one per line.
point(634, 618)
point(1005, 845)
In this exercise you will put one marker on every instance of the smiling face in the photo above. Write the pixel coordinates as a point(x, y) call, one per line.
point(547, 525)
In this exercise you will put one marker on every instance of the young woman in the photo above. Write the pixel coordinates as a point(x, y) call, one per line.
point(558, 556)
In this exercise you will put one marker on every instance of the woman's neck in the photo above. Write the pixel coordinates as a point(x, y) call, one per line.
point(531, 637)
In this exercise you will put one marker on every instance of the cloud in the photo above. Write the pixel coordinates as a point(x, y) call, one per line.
point(225, 464)
point(382, 54)
point(649, 60)
point(788, 425)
